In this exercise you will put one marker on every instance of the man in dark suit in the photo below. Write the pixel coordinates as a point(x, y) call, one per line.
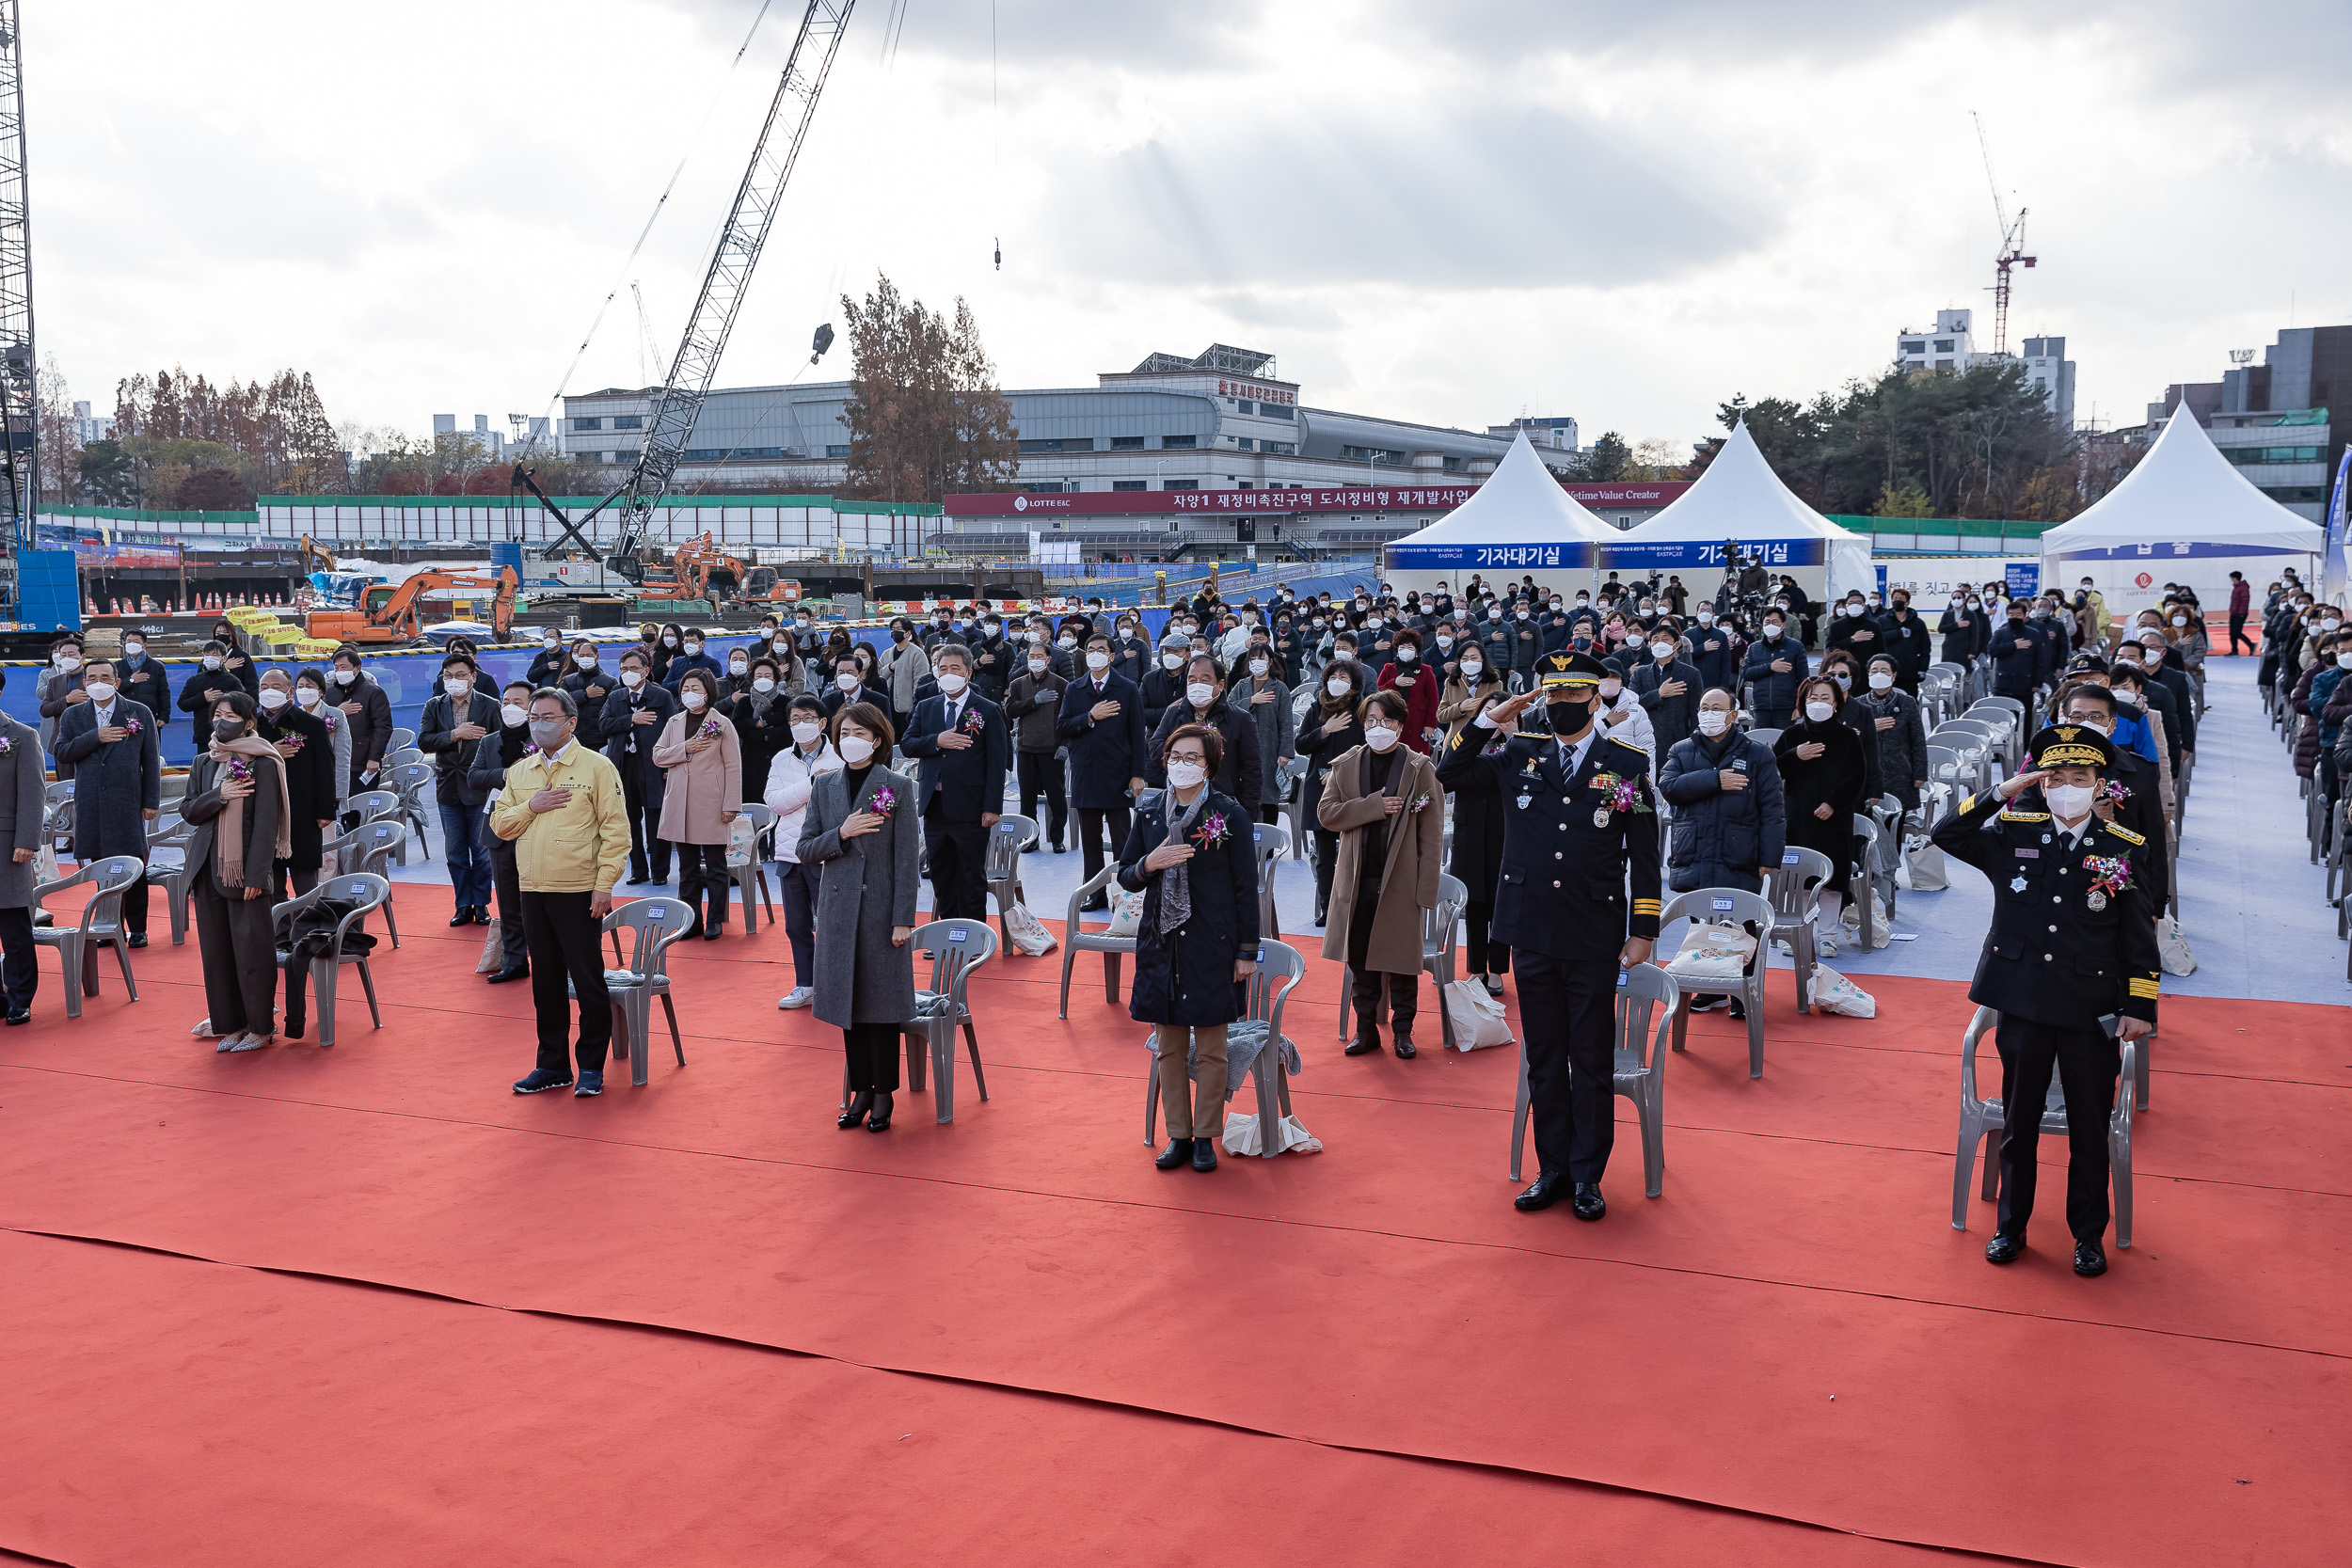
point(1577, 901)
point(2130, 796)
point(1102, 723)
point(633, 717)
point(111, 743)
point(962, 749)
point(366, 708)
point(2070, 964)
point(20, 819)
point(309, 751)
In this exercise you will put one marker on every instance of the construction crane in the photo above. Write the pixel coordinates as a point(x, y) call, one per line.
point(729, 275)
point(2012, 246)
point(20, 386)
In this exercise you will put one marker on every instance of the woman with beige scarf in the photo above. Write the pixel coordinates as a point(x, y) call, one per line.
point(236, 798)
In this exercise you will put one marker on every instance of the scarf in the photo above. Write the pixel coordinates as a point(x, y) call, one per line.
point(228, 839)
point(1176, 881)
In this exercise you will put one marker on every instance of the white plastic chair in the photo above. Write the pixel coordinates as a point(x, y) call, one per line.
point(100, 925)
point(1638, 1076)
point(1281, 968)
point(1001, 873)
point(643, 973)
point(1740, 908)
point(956, 948)
point(363, 893)
point(1077, 937)
point(751, 875)
point(1980, 1123)
point(1795, 890)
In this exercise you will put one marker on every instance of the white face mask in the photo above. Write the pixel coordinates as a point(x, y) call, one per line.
point(764, 685)
point(1819, 712)
point(1338, 689)
point(1098, 660)
point(1523, 614)
point(1171, 661)
point(1038, 666)
point(1185, 775)
point(1712, 720)
point(1473, 666)
point(854, 749)
point(953, 684)
point(1707, 617)
point(1661, 651)
point(271, 698)
point(212, 661)
point(1200, 695)
point(1380, 736)
point(513, 712)
point(1881, 680)
point(1406, 655)
point(2343, 660)
point(1444, 643)
point(632, 678)
point(2067, 801)
point(2180, 620)
point(309, 696)
point(1609, 690)
point(455, 686)
point(806, 731)
point(693, 699)
point(849, 682)
point(801, 622)
point(549, 642)
point(342, 677)
point(1771, 629)
point(1065, 642)
point(68, 662)
point(736, 666)
point(586, 660)
point(133, 650)
point(2329, 624)
point(669, 641)
point(1258, 668)
point(103, 692)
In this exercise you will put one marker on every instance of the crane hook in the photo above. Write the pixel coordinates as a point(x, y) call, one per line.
point(1000, 254)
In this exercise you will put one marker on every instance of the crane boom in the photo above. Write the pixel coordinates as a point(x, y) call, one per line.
point(20, 383)
point(2012, 246)
point(729, 276)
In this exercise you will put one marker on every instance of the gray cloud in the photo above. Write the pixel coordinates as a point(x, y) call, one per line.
point(1151, 36)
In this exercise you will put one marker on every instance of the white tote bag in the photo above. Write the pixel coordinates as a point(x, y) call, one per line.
point(1029, 935)
point(1478, 1018)
point(1834, 993)
point(2172, 949)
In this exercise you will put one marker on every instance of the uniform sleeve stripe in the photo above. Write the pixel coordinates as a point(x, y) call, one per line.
point(1966, 801)
point(1651, 906)
point(2143, 989)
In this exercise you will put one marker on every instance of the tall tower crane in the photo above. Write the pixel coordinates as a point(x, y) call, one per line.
point(2013, 244)
point(729, 275)
point(20, 386)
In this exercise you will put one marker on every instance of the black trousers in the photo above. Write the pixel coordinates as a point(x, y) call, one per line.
point(642, 801)
point(1040, 773)
point(1327, 844)
point(239, 946)
point(702, 872)
point(2238, 635)
point(20, 967)
point(959, 856)
point(2088, 1062)
point(1271, 813)
point(873, 1052)
point(1404, 989)
point(508, 881)
point(1568, 1007)
point(567, 947)
point(1485, 957)
point(1091, 821)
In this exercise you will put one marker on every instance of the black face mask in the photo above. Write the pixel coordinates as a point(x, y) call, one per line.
point(1569, 718)
point(228, 729)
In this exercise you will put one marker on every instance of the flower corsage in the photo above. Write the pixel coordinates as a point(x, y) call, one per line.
point(972, 723)
point(2108, 876)
point(1618, 795)
point(130, 726)
point(711, 726)
point(1420, 803)
point(1213, 830)
point(2115, 792)
point(880, 802)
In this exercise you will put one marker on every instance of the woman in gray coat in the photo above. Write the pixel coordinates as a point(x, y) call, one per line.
point(862, 834)
point(20, 810)
point(1259, 688)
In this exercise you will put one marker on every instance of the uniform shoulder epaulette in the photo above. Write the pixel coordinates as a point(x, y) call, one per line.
point(2025, 816)
point(1630, 745)
point(2125, 834)
point(1531, 734)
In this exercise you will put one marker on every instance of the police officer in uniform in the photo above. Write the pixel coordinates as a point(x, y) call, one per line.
point(2069, 965)
point(1564, 904)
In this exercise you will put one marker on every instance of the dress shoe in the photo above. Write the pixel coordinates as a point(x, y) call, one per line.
point(252, 1041)
point(136, 939)
point(462, 917)
point(1204, 1154)
point(2091, 1260)
point(712, 933)
point(1586, 1202)
point(1493, 984)
point(1096, 904)
point(482, 914)
point(880, 1120)
point(520, 972)
point(1366, 1041)
point(1178, 1153)
point(21, 1015)
point(1405, 1049)
point(2003, 1249)
point(1541, 1193)
point(859, 1104)
point(637, 880)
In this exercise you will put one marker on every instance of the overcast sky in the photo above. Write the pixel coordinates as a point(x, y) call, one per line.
point(1451, 213)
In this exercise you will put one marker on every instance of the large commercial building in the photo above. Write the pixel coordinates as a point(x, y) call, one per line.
point(2274, 419)
point(1952, 346)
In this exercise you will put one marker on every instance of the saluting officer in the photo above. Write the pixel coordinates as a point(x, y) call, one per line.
point(2069, 965)
point(1579, 815)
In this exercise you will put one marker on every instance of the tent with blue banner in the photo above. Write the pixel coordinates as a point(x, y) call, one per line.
point(1518, 523)
point(1739, 497)
point(2184, 514)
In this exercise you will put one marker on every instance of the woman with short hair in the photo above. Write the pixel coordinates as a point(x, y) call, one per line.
point(702, 794)
point(236, 798)
point(1821, 770)
point(1383, 800)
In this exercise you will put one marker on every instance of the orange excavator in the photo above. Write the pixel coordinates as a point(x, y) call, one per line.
point(397, 612)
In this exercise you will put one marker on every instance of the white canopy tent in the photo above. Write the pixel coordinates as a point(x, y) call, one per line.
point(1739, 497)
point(2184, 514)
point(1519, 522)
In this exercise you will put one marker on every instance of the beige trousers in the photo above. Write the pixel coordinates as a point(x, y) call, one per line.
point(1201, 1112)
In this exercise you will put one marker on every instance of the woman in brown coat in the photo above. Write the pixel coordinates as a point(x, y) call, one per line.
point(701, 762)
point(1383, 802)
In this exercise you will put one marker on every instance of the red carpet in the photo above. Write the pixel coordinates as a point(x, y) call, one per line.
point(1336, 1317)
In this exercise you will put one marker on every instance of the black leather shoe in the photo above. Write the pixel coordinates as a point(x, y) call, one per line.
point(22, 1015)
point(482, 914)
point(712, 933)
point(637, 880)
point(520, 972)
point(1363, 1044)
point(1177, 1154)
point(462, 917)
point(1204, 1154)
point(880, 1120)
point(1586, 1202)
point(136, 939)
point(1541, 1193)
point(1405, 1049)
point(2003, 1249)
point(2091, 1260)
point(860, 1103)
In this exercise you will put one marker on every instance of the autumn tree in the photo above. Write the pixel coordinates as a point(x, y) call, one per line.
point(926, 416)
point(277, 429)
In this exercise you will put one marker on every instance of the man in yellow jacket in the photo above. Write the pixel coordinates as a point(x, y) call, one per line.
point(562, 812)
